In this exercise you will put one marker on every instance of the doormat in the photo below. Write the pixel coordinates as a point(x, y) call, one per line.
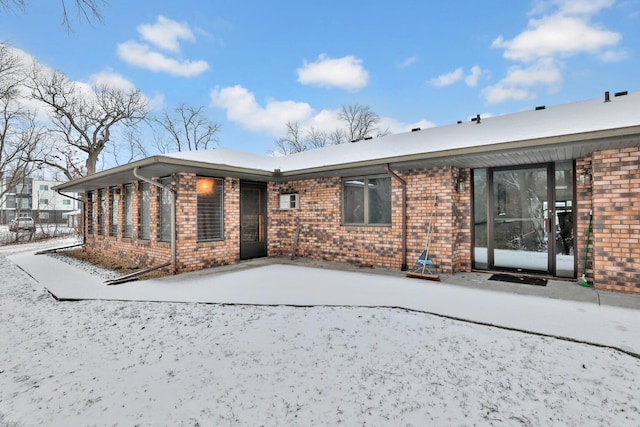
point(525, 280)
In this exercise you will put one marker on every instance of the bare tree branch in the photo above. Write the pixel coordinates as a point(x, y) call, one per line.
point(83, 119)
point(187, 129)
point(86, 10)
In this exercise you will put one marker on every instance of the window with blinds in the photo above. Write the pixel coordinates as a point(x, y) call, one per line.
point(144, 222)
point(128, 210)
point(166, 199)
point(114, 202)
point(102, 207)
point(89, 207)
point(209, 212)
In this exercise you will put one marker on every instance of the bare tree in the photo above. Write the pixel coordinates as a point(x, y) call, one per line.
point(83, 119)
point(19, 135)
point(360, 122)
point(293, 142)
point(187, 129)
point(87, 10)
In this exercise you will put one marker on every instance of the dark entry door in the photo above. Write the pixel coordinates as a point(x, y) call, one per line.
point(253, 220)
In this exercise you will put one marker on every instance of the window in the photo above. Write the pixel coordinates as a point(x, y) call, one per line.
point(128, 210)
point(114, 202)
point(289, 201)
point(44, 187)
point(66, 202)
point(24, 203)
point(23, 189)
point(43, 215)
point(102, 207)
point(89, 213)
point(166, 199)
point(209, 209)
point(367, 201)
point(144, 231)
point(43, 201)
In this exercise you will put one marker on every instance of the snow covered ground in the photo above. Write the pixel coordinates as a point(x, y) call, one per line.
point(108, 362)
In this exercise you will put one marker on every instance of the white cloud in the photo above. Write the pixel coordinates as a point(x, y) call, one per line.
point(613, 55)
point(562, 29)
point(166, 33)
point(346, 72)
point(242, 108)
point(447, 79)
point(519, 81)
point(113, 80)
point(457, 75)
point(545, 72)
point(142, 56)
point(498, 93)
point(473, 77)
point(408, 62)
point(555, 35)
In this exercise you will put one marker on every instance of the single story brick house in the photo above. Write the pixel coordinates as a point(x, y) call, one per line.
point(514, 193)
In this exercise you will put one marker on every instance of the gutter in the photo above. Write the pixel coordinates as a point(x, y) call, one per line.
point(403, 186)
point(84, 219)
point(174, 252)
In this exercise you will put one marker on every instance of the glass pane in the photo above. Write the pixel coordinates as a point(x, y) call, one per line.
point(209, 209)
point(165, 211)
point(565, 250)
point(480, 218)
point(145, 212)
point(252, 216)
point(379, 190)
point(128, 210)
point(520, 211)
point(353, 201)
point(113, 213)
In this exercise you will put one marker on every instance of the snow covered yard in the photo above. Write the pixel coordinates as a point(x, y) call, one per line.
point(144, 363)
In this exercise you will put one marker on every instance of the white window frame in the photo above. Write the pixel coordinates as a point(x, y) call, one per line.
point(289, 201)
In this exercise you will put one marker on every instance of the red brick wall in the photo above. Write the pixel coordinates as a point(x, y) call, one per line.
point(323, 236)
point(191, 255)
point(583, 197)
point(616, 219)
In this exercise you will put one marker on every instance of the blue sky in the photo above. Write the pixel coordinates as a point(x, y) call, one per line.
point(256, 65)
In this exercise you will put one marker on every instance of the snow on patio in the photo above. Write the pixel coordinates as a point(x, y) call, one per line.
point(113, 362)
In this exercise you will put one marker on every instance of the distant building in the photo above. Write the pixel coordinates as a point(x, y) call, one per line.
point(35, 198)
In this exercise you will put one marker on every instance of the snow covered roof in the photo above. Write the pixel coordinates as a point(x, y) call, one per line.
point(545, 134)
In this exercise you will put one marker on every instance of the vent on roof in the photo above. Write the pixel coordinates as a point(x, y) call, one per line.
point(415, 129)
point(459, 121)
point(540, 107)
point(366, 138)
point(621, 93)
point(476, 119)
point(355, 140)
point(606, 97)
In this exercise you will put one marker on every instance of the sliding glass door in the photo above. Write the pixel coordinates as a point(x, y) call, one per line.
point(523, 219)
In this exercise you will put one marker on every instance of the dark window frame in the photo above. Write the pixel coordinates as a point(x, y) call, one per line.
point(357, 209)
point(165, 199)
point(144, 215)
point(127, 206)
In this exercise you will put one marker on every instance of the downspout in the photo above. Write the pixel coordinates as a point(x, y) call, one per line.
point(84, 219)
point(174, 252)
point(403, 186)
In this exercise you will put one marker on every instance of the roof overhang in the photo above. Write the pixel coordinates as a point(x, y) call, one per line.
point(159, 166)
point(542, 150)
point(530, 151)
